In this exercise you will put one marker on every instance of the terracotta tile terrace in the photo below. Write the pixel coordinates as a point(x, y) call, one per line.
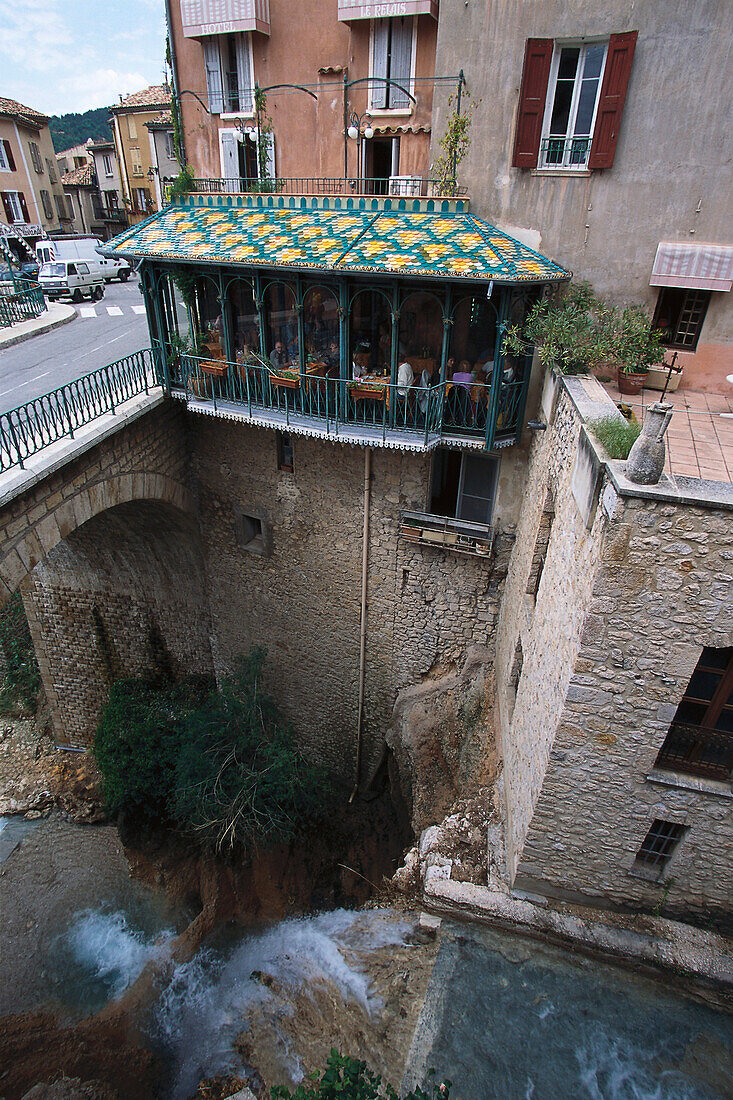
point(700, 437)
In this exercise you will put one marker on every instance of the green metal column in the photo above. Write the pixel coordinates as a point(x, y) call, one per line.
point(447, 325)
point(395, 356)
point(257, 287)
point(225, 320)
point(301, 329)
point(152, 297)
point(344, 359)
point(497, 378)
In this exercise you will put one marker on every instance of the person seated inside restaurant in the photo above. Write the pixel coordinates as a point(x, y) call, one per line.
point(279, 357)
point(332, 359)
point(405, 378)
point(359, 365)
point(423, 396)
point(463, 376)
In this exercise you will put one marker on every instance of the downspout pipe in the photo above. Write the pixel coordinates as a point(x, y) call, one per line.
point(174, 80)
point(362, 629)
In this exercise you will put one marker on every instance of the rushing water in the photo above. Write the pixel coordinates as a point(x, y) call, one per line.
point(503, 1018)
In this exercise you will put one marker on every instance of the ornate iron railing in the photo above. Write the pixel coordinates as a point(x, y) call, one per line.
point(561, 152)
point(376, 403)
point(22, 304)
point(39, 423)
point(697, 751)
point(399, 186)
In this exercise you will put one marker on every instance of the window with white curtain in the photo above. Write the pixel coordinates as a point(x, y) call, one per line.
point(391, 60)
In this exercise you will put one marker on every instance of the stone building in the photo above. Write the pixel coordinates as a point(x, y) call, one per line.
point(32, 197)
point(572, 150)
point(371, 74)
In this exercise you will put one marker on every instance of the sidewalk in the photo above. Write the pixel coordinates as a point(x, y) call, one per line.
point(56, 314)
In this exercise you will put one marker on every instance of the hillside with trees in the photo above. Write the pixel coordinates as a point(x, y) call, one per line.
point(75, 129)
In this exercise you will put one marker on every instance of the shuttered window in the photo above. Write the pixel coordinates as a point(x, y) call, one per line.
point(36, 157)
point(137, 164)
point(214, 83)
point(391, 60)
point(7, 163)
point(60, 207)
point(50, 170)
point(131, 127)
point(571, 99)
point(14, 206)
point(47, 205)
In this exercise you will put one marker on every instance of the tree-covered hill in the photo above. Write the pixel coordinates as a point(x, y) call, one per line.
point(75, 129)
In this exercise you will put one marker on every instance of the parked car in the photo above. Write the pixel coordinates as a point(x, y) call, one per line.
point(73, 278)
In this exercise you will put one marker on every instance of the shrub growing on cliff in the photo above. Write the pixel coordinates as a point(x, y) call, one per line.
point(348, 1079)
point(20, 678)
point(219, 764)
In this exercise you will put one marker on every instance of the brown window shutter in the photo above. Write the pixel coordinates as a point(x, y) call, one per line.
point(9, 155)
point(532, 97)
point(23, 207)
point(611, 104)
point(7, 208)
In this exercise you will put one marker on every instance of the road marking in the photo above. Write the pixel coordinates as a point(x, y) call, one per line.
point(87, 311)
point(28, 383)
point(138, 309)
point(114, 311)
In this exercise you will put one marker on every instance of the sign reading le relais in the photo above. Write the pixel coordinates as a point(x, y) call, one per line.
point(355, 9)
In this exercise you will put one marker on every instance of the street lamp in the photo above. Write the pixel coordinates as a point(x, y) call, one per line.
point(356, 133)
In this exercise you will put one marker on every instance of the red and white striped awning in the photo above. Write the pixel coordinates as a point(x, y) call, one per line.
point(693, 266)
point(201, 18)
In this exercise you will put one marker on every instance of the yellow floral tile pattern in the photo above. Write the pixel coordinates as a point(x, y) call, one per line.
point(456, 245)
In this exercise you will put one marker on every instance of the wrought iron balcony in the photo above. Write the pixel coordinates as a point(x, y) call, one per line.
point(370, 410)
point(693, 750)
point(409, 186)
point(561, 152)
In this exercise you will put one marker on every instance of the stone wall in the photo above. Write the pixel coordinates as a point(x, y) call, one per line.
point(634, 585)
point(426, 608)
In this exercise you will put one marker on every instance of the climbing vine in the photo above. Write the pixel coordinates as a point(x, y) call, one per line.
point(454, 145)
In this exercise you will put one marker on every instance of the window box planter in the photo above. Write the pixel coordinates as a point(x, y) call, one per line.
point(656, 379)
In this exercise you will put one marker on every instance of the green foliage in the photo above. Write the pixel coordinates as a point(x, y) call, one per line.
point(181, 185)
point(221, 765)
point(264, 129)
point(574, 331)
point(20, 678)
point(454, 145)
point(239, 778)
point(617, 436)
point(75, 129)
point(348, 1079)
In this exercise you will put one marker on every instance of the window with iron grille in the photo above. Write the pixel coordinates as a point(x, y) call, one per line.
point(658, 846)
point(572, 102)
point(700, 738)
point(680, 314)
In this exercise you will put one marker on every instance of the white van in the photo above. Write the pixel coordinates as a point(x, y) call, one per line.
point(86, 249)
point(70, 277)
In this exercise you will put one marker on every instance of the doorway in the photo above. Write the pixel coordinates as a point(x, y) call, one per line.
point(382, 162)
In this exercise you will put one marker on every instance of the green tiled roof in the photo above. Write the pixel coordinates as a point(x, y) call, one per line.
point(397, 241)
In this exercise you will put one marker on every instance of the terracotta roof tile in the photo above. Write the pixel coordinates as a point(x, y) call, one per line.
point(165, 118)
point(158, 95)
point(12, 109)
point(80, 177)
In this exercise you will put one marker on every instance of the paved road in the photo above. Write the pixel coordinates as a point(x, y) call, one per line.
point(101, 333)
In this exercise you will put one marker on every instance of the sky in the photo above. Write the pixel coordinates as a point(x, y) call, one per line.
point(71, 55)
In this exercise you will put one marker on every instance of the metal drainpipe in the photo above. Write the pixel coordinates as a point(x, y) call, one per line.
point(174, 79)
point(362, 632)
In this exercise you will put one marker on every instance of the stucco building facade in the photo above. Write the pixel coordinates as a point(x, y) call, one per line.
point(135, 157)
point(33, 201)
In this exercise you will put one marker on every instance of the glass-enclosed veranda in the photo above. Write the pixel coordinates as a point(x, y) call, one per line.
point(377, 326)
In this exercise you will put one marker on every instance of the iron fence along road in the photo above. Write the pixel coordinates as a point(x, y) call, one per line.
point(57, 415)
point(22, 305)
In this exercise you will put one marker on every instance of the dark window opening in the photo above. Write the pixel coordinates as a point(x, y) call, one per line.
point(700, 738)
point(463, 485)
point(284, 452)
point(541, 545)
point(382, 161)
point(252, 532)
point(680, 314)
point(658, 846)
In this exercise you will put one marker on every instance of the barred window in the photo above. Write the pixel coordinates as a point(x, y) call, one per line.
point(658, 846)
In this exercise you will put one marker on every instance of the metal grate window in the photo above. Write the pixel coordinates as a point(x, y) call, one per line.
point(659, 844)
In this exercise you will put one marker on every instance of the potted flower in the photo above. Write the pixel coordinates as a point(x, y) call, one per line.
point(632, 345)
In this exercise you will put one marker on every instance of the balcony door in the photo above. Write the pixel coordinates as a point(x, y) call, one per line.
point(700, 739)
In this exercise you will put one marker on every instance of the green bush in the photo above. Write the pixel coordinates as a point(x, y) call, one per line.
point(221, 765)
point(617, 436)
point(347, 1079)
point(20, 677)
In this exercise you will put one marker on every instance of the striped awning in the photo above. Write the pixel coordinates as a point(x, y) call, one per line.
point(693, 266)
point(201, 18)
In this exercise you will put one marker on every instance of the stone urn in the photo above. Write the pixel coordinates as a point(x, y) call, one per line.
point(646, 458)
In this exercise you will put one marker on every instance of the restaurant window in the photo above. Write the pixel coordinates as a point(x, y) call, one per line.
point(473, 338)
point(320, 321)
point(245, 319)
point(700, 737)
point(206, 310)
point(174, 308)
point(391, 60)
point(47, 205)
point(285, 452)
point(571, 102)
point(281, 321)
point(463, 485)
point(50, 170)
point(658, 847)
point(680, 315)
point(370, 331)
point(421, 333)
point(229, 73)
point(14, 206)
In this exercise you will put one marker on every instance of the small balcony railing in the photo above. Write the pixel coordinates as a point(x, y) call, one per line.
point(374, 405)
point(561, 152)
point(108, 213)
point(693, 750)
point(409, 186)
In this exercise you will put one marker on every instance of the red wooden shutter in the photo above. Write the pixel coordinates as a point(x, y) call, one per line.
point(611, 104)
point(23, 207)
point(9, 155)
point(532, 97)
